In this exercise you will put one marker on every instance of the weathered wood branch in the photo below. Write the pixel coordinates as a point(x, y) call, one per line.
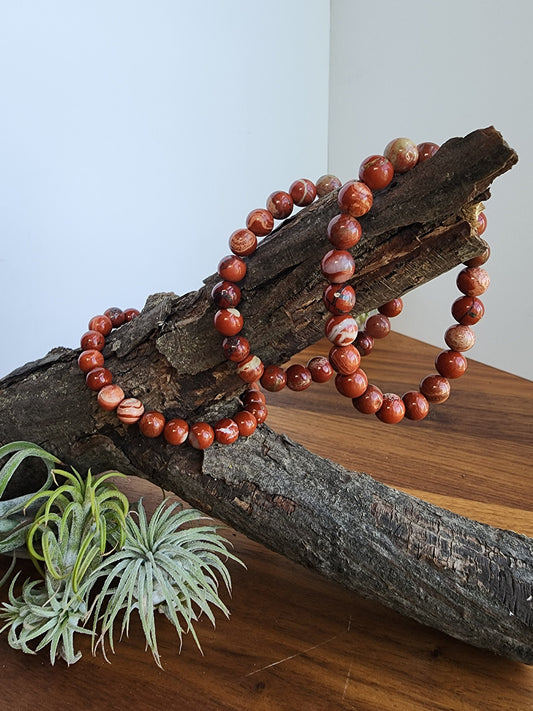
point(461, 577)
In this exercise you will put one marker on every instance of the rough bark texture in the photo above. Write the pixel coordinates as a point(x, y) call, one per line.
point(466, 579)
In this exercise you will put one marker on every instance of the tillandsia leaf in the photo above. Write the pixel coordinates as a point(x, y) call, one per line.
point(162, 566)
point(20, 451)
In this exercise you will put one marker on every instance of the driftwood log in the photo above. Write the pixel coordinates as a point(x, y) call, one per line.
point(467, 579)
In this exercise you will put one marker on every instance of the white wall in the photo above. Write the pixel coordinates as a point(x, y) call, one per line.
point(430, 71)
point(135, 136)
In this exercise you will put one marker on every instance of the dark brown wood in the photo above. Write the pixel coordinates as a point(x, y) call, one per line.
point(442, 570)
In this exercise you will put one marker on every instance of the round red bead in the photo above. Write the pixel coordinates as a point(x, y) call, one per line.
point(110, 397)
point(176, 431)
point(370, 401)
point(468, 310)
point(426, 150)
point(115, 315)
point(402, 153)
point(130, 410)
point(337, 266)
point(226, 431)
point(258, 410)
point(416, 405)
point(260, 222)
point(480, 260)
point(353, 385)
point(376, 171)
point(232, 268)
point(339, 298)
point(320, 369)
point(355, 198)
point(298, 377)
point(228, 322)
point(344, 231)
point(364, 343)
point(303, 192)
point(201, 435)
point(345, 359)
point(98, 377)
point(377, 326)
point(90, 359)
point(243, 243)
point(246, 423)
point(435, 388)
point(391, 308)
point(130, 314)
point(341, 330)
point(226, 295)
point(92, 340)
point(102, 324)
point(250, 369)
point(451, 364)
point(274, 378)
point(473, 281)
point(280, 205)
point(236, 348)
point(252, 396)
point(327, 184)
point(481, 223)
point(152, 424)
point(392, 410)
point(459, 338)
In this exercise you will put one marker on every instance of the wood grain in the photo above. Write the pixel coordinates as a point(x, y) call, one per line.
point(296, 640)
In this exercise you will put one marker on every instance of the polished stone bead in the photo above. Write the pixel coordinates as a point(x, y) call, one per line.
point(115, 315)
point(391, 308)
point(102, 324)
point(339, 298)
point(402, 153)
point(130, 314)
point(228, 322)
point(232, 268)
point(337, 266)
point(355, 198)
point(353, 385)
point(473, 281)
point(392, 410)
point(90, 359)
point(341, 330)
point(345, 359)
point(98, 377)
point(226, 295)
point(327, 184)
point(250, 369)
point(303, 192)
point(377, 326)
point(130, 410)
point(364, 343)
point(468, 310)
point(274, 378)
point(435, 388)
point(370, 401)
point(243, 243)
point(152, 424)
point(260, 222)
point(344, 231)
point(320, 369)
point(236, 348)
point(110, 397)
point(253, 396)
point(426, 150)
point(480, 260)
point(376, 171)
point(226, 431)
point(92, 340)
point(246, 423)
point(298, 377)
point(451, 364)
point(460, 338)
point(280, 204)
point(176, 431)
point(258, 410)
point(416, 405)
point(481, 224)
point(201, 435)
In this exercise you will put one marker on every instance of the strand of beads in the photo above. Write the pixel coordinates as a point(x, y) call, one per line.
point(131, 410)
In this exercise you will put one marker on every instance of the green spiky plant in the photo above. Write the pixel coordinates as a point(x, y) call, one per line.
point(97, 563)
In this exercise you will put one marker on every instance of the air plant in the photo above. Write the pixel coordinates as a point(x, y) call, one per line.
point(84, 533)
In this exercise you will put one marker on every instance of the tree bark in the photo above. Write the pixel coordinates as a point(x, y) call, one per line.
point(469, 580)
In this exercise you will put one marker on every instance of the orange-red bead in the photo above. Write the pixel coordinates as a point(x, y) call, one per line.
point(243, 243)
point(355, 198)
point(201, 435)
point(110, 396)
point(377, 326)
point(364, 343)
point(339, 298)
point(402, 153)
point(176, 431)
point(345, 359)
point(460, 338)
point(246, 423)
point(341, 330)
point(353, 385)
point(370, 401)
point(327, 184)
point(92, 340)
point(416, 405)
point(435, 388)
point(320, 369)
point(90, 359)
point(130, 314)
point(253, 396)
point(152, 424)
point(426, 150)
point(260, 222)
point(468, 310)
point(258, 410)
point(473, 281)
point(376, 171)
point(250, 369)
point(280, 205)
point(392, 410)
point(130, 410)
point(102, 324)
point(228, 322)
point(226, 295)
point(115, 315)
point(337, 266)
point(451, 364)
point(481, 223)
point(479, 260)
point(98, 377)
point(391, 308)
point(232, 268)
point(303, 192)
point(298, 377)
point(344, 231)
point(236, 348)
point(226, 431)
point(274, 378)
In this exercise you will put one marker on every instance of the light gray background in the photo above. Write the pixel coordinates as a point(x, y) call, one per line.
point(136, 136)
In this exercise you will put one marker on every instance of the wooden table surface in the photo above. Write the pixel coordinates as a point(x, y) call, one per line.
point(296, 640)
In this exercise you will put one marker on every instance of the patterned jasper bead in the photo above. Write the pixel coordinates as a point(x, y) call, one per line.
point(435, 388)
point(303, 192)
point(130, 410)
point(416, 405)
point(226, 295)
point(344, 231)
point(90, 359)
point(258, 410)
point(110, 397)
point(152, 424)
point(228, 322)
point(392, 409)
point(376, 171)
point(327, 184)
point(355, 198)
point(468, 310)
point(298, 377)
point(102, 324)
point(481, 224)
point(274, 378)
point(176, 431)
point(341, 330)
point(473, 281)
point(480, 260)
point(97, 378)
point(201, 435)
point(280, 205)
point(320, 369)
point(402, 153)
point(232, 268)
point(243, 243)
point(236, 348)
point(426, 150)
point(250, 369)
point(92, 340)
point(339, 298)
point(337, 266)
point(460, 338)
point(246, 423)
point(260, 222)
point(370, 401)
point(115, 315)
point(226, 431)
point(345, 359)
